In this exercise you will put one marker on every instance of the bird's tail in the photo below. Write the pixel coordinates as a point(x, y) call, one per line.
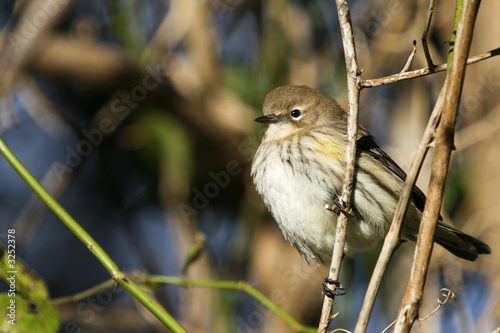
point(459, 243)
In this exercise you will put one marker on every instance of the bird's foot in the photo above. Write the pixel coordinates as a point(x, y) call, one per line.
point(333, 288)
point(338, 208)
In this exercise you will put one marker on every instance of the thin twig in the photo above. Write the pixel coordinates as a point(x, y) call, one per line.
point(232, 285)
point(425, 33)
point(445, 292)
point(370, 83)
point(443, 146)
point(410, 58)
point(392, 239)
point(353, 89)
point(390, 325)
point(84, 294)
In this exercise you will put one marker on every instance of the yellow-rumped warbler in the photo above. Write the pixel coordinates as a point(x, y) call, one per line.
point(299, 167)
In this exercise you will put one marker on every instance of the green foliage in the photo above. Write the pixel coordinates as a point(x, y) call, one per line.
point(196, 250)
point(25, 305)
point(30, 315)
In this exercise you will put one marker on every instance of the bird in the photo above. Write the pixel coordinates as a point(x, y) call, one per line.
point(298, 169)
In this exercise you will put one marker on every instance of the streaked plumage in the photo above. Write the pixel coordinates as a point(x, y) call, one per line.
point(299, 168)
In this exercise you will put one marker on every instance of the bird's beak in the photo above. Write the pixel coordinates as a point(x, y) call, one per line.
point(267, 119)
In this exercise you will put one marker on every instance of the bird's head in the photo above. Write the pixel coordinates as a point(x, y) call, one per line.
point(291, 109)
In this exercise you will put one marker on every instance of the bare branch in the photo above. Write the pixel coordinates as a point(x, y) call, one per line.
point(370, 83)
point(410, 58)
point(445, 292)
point(444, 145)
point(392, 239)
point(353, 89)
point(425, 33)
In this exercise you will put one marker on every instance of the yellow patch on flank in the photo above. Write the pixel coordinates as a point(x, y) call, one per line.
point(330, 146)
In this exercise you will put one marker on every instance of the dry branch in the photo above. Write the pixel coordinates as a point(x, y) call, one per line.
point(425, 33)
point(392, 238)
point(370, 83)
point(410, 58)
point(353, 89)
point(440, 163)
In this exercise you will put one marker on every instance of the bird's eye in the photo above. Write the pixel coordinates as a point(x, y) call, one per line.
point(296, 113)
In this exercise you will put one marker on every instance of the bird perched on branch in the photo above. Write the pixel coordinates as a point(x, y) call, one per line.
point(299, 168)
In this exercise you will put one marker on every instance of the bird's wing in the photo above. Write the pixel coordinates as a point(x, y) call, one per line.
point(367, 144)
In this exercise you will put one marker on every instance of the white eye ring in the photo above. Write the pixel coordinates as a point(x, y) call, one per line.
point(296, 114)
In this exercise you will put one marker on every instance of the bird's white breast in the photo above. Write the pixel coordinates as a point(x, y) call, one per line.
point(297, 183)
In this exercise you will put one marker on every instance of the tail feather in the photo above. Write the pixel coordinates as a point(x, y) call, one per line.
point(459, 243)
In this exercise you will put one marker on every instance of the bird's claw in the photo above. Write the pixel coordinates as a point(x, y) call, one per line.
point(337, 290)
point(338, 208)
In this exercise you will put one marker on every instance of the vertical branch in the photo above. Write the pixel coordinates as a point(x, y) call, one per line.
point(353, 89)
point(392, 239)
point(444, 145)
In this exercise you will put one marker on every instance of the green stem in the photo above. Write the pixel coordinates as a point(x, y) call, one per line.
point(117, 275)
point(453, 37)
point(84, 294)
point(160, 279)
point(231, 285)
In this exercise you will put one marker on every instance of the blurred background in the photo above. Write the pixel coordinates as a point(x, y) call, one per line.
point(138, 117)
